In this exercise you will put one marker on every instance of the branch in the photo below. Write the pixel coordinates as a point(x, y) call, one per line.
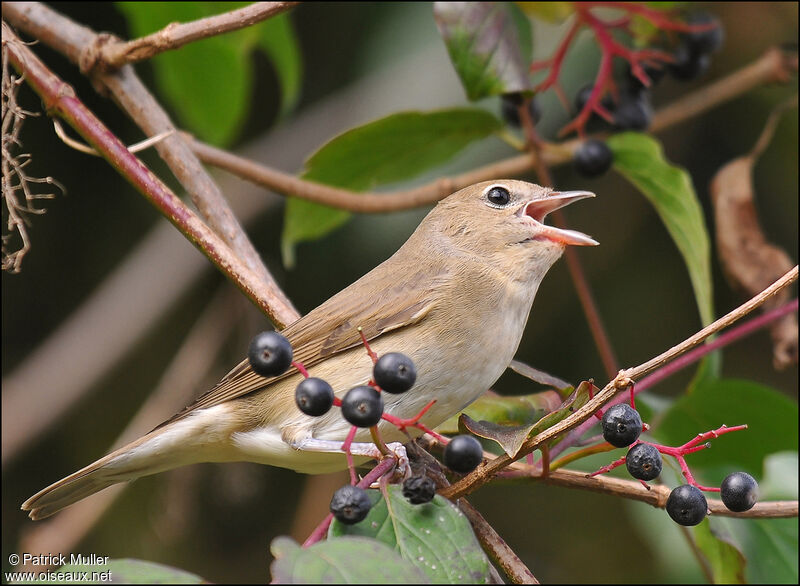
point(114, 55)
point(59, 99)
point(679, 363)
point(657, 495)
point(773, 66)
point(75, 41)
point(486, 472)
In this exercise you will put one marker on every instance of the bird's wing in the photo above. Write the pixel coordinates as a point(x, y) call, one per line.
point(333, 327)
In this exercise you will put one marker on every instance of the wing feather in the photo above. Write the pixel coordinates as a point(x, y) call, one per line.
point(333, 327)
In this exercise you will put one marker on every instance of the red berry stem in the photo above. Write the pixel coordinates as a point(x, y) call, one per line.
point(299, 366)
point(402, 424)
point(679, 453)
point(609, 467)
point(610, 48)
point(372, 355)
point(346, 449)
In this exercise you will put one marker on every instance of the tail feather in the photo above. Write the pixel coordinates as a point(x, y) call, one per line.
point(86, 481)
point(161, 449)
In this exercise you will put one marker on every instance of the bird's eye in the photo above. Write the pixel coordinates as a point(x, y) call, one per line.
point(498, 196)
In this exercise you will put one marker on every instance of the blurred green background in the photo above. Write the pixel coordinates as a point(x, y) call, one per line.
point(362, 61)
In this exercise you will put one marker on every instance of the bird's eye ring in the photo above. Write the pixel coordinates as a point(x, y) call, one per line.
point(498, 196)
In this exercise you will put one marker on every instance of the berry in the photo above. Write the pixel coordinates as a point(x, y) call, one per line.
point(621, 425)
point(593, 158)
point(362, 406)
point(707, 41)
point(419, 489)
point(688, 64)
point(394, 372)
point(739, 491)
point(686, 505)
point(643, 462)
point(463, 454)
point(634, 112)
point(510, 108)
point(270, 354)
point(350, 504)
point(314, 396)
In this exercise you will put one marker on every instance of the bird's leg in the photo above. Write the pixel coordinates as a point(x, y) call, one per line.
point(366, 449)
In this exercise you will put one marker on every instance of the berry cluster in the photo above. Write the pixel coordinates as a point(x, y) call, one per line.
point(632, 109)
point(270, 354)
point(623, 104)
point(686, 504)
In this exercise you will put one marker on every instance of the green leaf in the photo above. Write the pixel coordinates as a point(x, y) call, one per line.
point(555, 12)
point(771, 420)
point(518, 410)
point(511, 437)
point(640, 159)
point(346, 560)
point(489, 44)
point(125, 571)
point(394, 148)
point(435, 537)
point(278, 40)
point(772, 544)
point(726, 562)
point(208, 83)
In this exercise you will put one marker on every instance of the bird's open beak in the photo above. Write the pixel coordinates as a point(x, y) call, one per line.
point(539, 208)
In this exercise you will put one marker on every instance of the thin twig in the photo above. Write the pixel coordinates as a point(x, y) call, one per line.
point(483, 474)
point(114, 55)
point(76, 42)
point(772, 66)
point(59, 98)
point(681, 362)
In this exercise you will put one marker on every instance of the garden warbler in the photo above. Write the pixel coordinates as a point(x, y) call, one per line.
point(455, 298)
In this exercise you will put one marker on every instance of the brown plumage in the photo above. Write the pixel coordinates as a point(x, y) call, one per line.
point(455, 298)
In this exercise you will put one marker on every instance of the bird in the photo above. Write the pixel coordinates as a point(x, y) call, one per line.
point(455, 298)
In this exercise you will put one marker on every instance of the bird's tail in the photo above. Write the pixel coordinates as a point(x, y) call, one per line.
point(162, 449)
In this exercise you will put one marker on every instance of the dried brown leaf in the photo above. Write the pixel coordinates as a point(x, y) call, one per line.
point(749, 261)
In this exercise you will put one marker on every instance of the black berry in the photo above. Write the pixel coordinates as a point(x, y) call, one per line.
point(362, 406)
point(688, 64)
point(621, 425)
point(510, 104)
point(314, 396)
point(394, 372)
point(270, 354)
point(739, 491)
point(350, 504)
point(593, 158)
point(687, 505)
point(634, 111)
point(643, 462)
point(463, 454)
point(707, 41)
point(419, 489)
